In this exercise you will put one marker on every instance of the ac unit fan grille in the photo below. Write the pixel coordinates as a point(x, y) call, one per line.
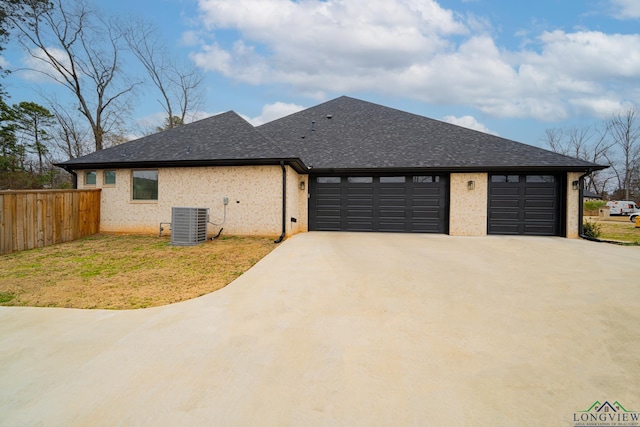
point(188, 226)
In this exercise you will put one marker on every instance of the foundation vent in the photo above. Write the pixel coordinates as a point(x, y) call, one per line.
point(188, 226)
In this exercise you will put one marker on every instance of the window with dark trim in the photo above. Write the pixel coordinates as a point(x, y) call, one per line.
point(109, 178)
point(505, 178)
point(90, 178)
point(541, 178)
point(392, 179)
point(360, 179)
point(144, 185)
point(424, 179)
point(328, 180)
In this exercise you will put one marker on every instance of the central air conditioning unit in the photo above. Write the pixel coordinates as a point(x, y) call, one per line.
point(188, 226)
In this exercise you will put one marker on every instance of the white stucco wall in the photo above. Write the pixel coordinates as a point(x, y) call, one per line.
point(297, 204)
point(573, 206)
point(254, 193)
point(468, 208)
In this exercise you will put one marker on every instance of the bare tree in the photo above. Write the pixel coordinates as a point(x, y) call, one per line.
point(80, 51)
point(71, 138)
point(624, 129)
point(178, 85)
point(583, 143)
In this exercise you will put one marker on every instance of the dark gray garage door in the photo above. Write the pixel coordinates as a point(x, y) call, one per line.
point(401, 203)
point(524, 204)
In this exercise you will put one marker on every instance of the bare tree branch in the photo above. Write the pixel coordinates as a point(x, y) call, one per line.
point(624, 128)
point(81, 52)
point(583, 143)
point(178, 86)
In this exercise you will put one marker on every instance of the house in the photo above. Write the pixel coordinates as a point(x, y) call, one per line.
point(344, 165)
point(590, 196)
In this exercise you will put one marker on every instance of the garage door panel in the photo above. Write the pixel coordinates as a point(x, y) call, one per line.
point(426, 214)
point(539, 216)
point(359, 226)
point(353, 202)
point(328, 202)
point(539, 191)
point(540, 229)
point(329, 212)
point(393, 213)
point(392, 191)
point(504, 215)
point(426, 226)
point(387, 202)
point(327, 191)
point(359, 213)
point(505, 191)
point(379, 203)
point(422, 203)
point(505, 203)
point(540, 204)
point(430, 190)
point(497, 228)
point(359, 190)
point(328, 225)
point(393, 227)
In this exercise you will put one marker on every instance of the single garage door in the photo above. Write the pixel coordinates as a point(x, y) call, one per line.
point(524, 204)
point(401, 203)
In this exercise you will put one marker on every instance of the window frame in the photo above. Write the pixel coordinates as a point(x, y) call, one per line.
point(360, 180)
point(426, 179)
point(104, 178)
point(157, 190)
point(95, 178)
point(328, 180)
point(396, 179)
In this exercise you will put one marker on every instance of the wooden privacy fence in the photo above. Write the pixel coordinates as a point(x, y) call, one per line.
point(35, 218)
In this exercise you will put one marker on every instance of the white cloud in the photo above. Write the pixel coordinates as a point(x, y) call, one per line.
point(626, 9)
point(468, 122)
point(37, 69)
point(600, 107)
point(3, 62)
point(415, 49)
point(333, 37)
point(190, 38)
point(274, 111)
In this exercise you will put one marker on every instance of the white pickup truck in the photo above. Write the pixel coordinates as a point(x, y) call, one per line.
point(624, 207)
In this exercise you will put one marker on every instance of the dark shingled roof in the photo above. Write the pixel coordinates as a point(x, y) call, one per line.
point(342, 134)
point(348, 133)
point(222, 139)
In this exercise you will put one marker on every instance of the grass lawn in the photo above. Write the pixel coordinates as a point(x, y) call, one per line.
point(124, 272)
point(618, 229)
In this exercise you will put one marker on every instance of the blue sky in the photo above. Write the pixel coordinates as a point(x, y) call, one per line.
point(500, 66)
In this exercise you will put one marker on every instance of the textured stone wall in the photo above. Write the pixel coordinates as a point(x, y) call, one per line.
point(573, 206)
point(468, 208)
point(254, 193)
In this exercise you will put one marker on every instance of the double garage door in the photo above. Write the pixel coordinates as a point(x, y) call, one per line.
point(528, 204)
point(401, 203)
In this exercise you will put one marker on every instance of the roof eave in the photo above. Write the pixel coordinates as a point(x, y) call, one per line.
point(458, 169)
point(294, 162)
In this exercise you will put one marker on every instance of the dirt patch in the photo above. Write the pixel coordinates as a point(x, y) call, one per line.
point(124, 272)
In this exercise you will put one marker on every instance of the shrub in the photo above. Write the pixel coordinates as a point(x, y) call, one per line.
point(591, 229)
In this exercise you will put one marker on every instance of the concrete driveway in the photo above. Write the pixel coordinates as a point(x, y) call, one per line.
point(342, 329)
